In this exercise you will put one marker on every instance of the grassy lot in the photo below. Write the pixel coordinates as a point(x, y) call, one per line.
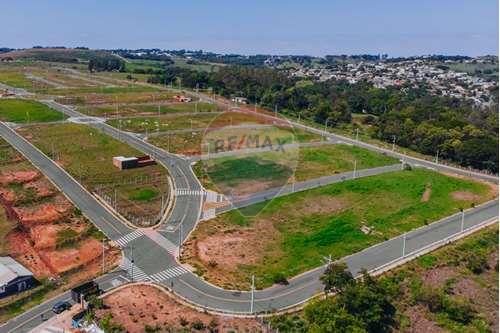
point(90, 161)
point(111, 95)
point(292, 233)
point(193, 143)
point(134, 109)
point(15, 79)
point(24, 111)
point(166, 123)
point(275, 168)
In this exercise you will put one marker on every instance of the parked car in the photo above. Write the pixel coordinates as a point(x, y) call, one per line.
point(61, 306)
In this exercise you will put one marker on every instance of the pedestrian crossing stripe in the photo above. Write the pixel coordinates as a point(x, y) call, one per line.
point(132, 269)
point(124, 240)
point(162, 241)
point(184, 191)
point(169, 273)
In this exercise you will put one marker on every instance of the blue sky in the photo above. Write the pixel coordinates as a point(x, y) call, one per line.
point(396, 27)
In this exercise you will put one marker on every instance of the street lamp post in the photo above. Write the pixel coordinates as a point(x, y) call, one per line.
point(354, 171)
point(326, 124)
point(437, 157)
point(393, 142)
point(252, 295)
point(462, 222)
point(404, 245)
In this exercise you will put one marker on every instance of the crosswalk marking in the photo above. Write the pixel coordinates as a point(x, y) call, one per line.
point(159, 239)
point(185, 191)
point(132, 269)
point(169, 273)
point(124, 240)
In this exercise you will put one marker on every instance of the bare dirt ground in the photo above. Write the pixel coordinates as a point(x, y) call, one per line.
point(419, 322)
point(18, 177)
point(427, 193)
point(218, 251)
point(465, 195)
point(438, 276)
point(140, 305)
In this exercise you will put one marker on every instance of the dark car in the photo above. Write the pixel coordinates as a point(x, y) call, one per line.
point(61, 306)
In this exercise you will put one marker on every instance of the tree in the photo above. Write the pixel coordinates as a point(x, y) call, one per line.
point(329, 316)
point(336, 278)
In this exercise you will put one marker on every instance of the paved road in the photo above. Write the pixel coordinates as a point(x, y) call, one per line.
point(244, 201)
point(152, 261)
point(150, 256)
point(32, 318)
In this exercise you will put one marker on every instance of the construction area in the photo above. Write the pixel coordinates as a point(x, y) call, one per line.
point(43, 231)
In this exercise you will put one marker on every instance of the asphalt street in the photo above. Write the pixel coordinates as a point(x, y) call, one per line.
point(150, 256)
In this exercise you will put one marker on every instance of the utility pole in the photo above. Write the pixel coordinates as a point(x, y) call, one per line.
point(299, 118)
point(196, 106)
point(437, 157)
point(275, 110)
point(357, 134)
point(253, 290)
point(132, 263)
point(404, 244)
point(463, 220)
point(393, 142)
point(103, 260)
point(354, 171)
point(180, 240)
point(324, 131)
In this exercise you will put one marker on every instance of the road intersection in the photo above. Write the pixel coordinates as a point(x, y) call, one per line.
point(150, 254)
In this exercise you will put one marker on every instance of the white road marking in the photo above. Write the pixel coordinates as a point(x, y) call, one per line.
point(124, 240)
point(169, 273)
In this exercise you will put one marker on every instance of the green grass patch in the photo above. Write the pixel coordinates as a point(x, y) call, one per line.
point(328, 220)
point(24, 111)
point(143, 194)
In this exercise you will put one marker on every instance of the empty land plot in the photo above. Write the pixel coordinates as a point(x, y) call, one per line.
point(110, 95)
point(146, 109)
point(17, 78)
point(25, 111)
point(61, 77)
point(87, 154)
point(292, 233)
point(163, 123)
point(260, 171)
point(194, 142)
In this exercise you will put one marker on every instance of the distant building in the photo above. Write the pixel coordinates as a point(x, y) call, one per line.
point(239, 100)
point(182, 98)
point(14, 277)
point(122, 162)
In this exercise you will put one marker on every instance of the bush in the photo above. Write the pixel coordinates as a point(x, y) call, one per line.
point(198, 325)
point(476, 263)
point(280, 278)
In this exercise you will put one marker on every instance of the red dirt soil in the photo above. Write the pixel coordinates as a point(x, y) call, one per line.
point(138, 305)
point(63, 260)
point(18, 177)
point(7, 197)
point(22, 251)
point(42, 188)
point(44, 213)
